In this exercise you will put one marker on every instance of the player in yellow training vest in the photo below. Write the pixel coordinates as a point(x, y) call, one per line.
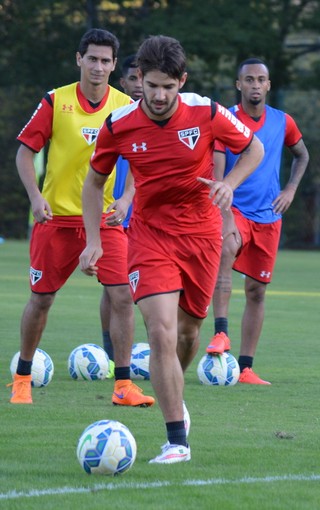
point(70, 118)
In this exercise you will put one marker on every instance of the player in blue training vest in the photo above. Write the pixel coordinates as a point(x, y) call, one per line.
point(251, 230)
point(257, 206)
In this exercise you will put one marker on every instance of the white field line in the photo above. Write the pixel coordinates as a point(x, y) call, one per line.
point(155, 485)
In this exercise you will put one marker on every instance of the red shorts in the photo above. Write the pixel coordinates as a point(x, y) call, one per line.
point(160, 263)
point(55, 251)
point(260, 241)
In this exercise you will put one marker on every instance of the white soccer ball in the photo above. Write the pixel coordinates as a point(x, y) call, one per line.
point(140, 357)
point(89, 362)
point(42, 368)
point(221, 370)
point(106, 447)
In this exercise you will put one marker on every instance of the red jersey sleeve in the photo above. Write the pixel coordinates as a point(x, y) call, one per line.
point(105, 155)
point(292, 134)
point(37, 132)
point(219, 147)
point(230, 131)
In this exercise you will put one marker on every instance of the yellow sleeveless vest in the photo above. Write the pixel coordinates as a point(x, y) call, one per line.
point(74, 132)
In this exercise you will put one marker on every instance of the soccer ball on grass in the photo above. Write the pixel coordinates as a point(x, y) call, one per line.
point(221, 370)
point(106, 447)
point(89, 362)
point(42, 368)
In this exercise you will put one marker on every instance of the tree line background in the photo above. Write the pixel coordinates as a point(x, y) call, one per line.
point(39, 39)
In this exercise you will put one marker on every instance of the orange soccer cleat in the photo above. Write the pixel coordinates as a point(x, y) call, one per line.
point(21, 390)
point(248, 376)
point(126, 393)
point(219, 343)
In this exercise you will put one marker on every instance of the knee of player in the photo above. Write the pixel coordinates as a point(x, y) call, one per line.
point(256, 292)
point(41, 302)
point(230, 247)
point(163, 344)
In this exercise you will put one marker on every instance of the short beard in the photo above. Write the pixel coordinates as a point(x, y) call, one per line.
point(154, 112)
point(255, 101)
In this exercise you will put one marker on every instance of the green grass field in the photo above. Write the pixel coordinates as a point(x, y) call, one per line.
point(252, 447)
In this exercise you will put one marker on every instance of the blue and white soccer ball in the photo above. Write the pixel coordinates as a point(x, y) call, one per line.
point(42, 369)
point(140, 357)
point(221, 370)
point(106, 447)
point(89, 362)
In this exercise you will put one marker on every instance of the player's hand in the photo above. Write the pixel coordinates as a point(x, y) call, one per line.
point(120, 209)
point(41, 210)
point(283, 201)
point(220, 194)
point(88, 260)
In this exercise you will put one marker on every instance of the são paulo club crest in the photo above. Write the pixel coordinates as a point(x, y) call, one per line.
point(189, 137)
point(90, 134)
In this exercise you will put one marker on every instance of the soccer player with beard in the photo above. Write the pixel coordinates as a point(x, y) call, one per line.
point(176, 226)
point(251, 229)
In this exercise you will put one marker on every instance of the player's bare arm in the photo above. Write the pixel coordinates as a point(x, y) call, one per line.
point(247, 162)
point(219, 165)
point(299, 164)
point(229, 225)
point(92, 204)
point(41, 209)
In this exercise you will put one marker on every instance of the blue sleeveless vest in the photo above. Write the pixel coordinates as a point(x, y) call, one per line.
point(256, 194)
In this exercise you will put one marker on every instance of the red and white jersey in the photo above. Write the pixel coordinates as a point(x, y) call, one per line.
point(166, 159)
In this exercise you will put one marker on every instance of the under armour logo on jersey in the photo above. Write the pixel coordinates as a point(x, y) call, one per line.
point(134, 280)
point(265, 274)
point(189, 137)
point(90, 134)
point(67, 108)
point(142, 147)
point(35, 275)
